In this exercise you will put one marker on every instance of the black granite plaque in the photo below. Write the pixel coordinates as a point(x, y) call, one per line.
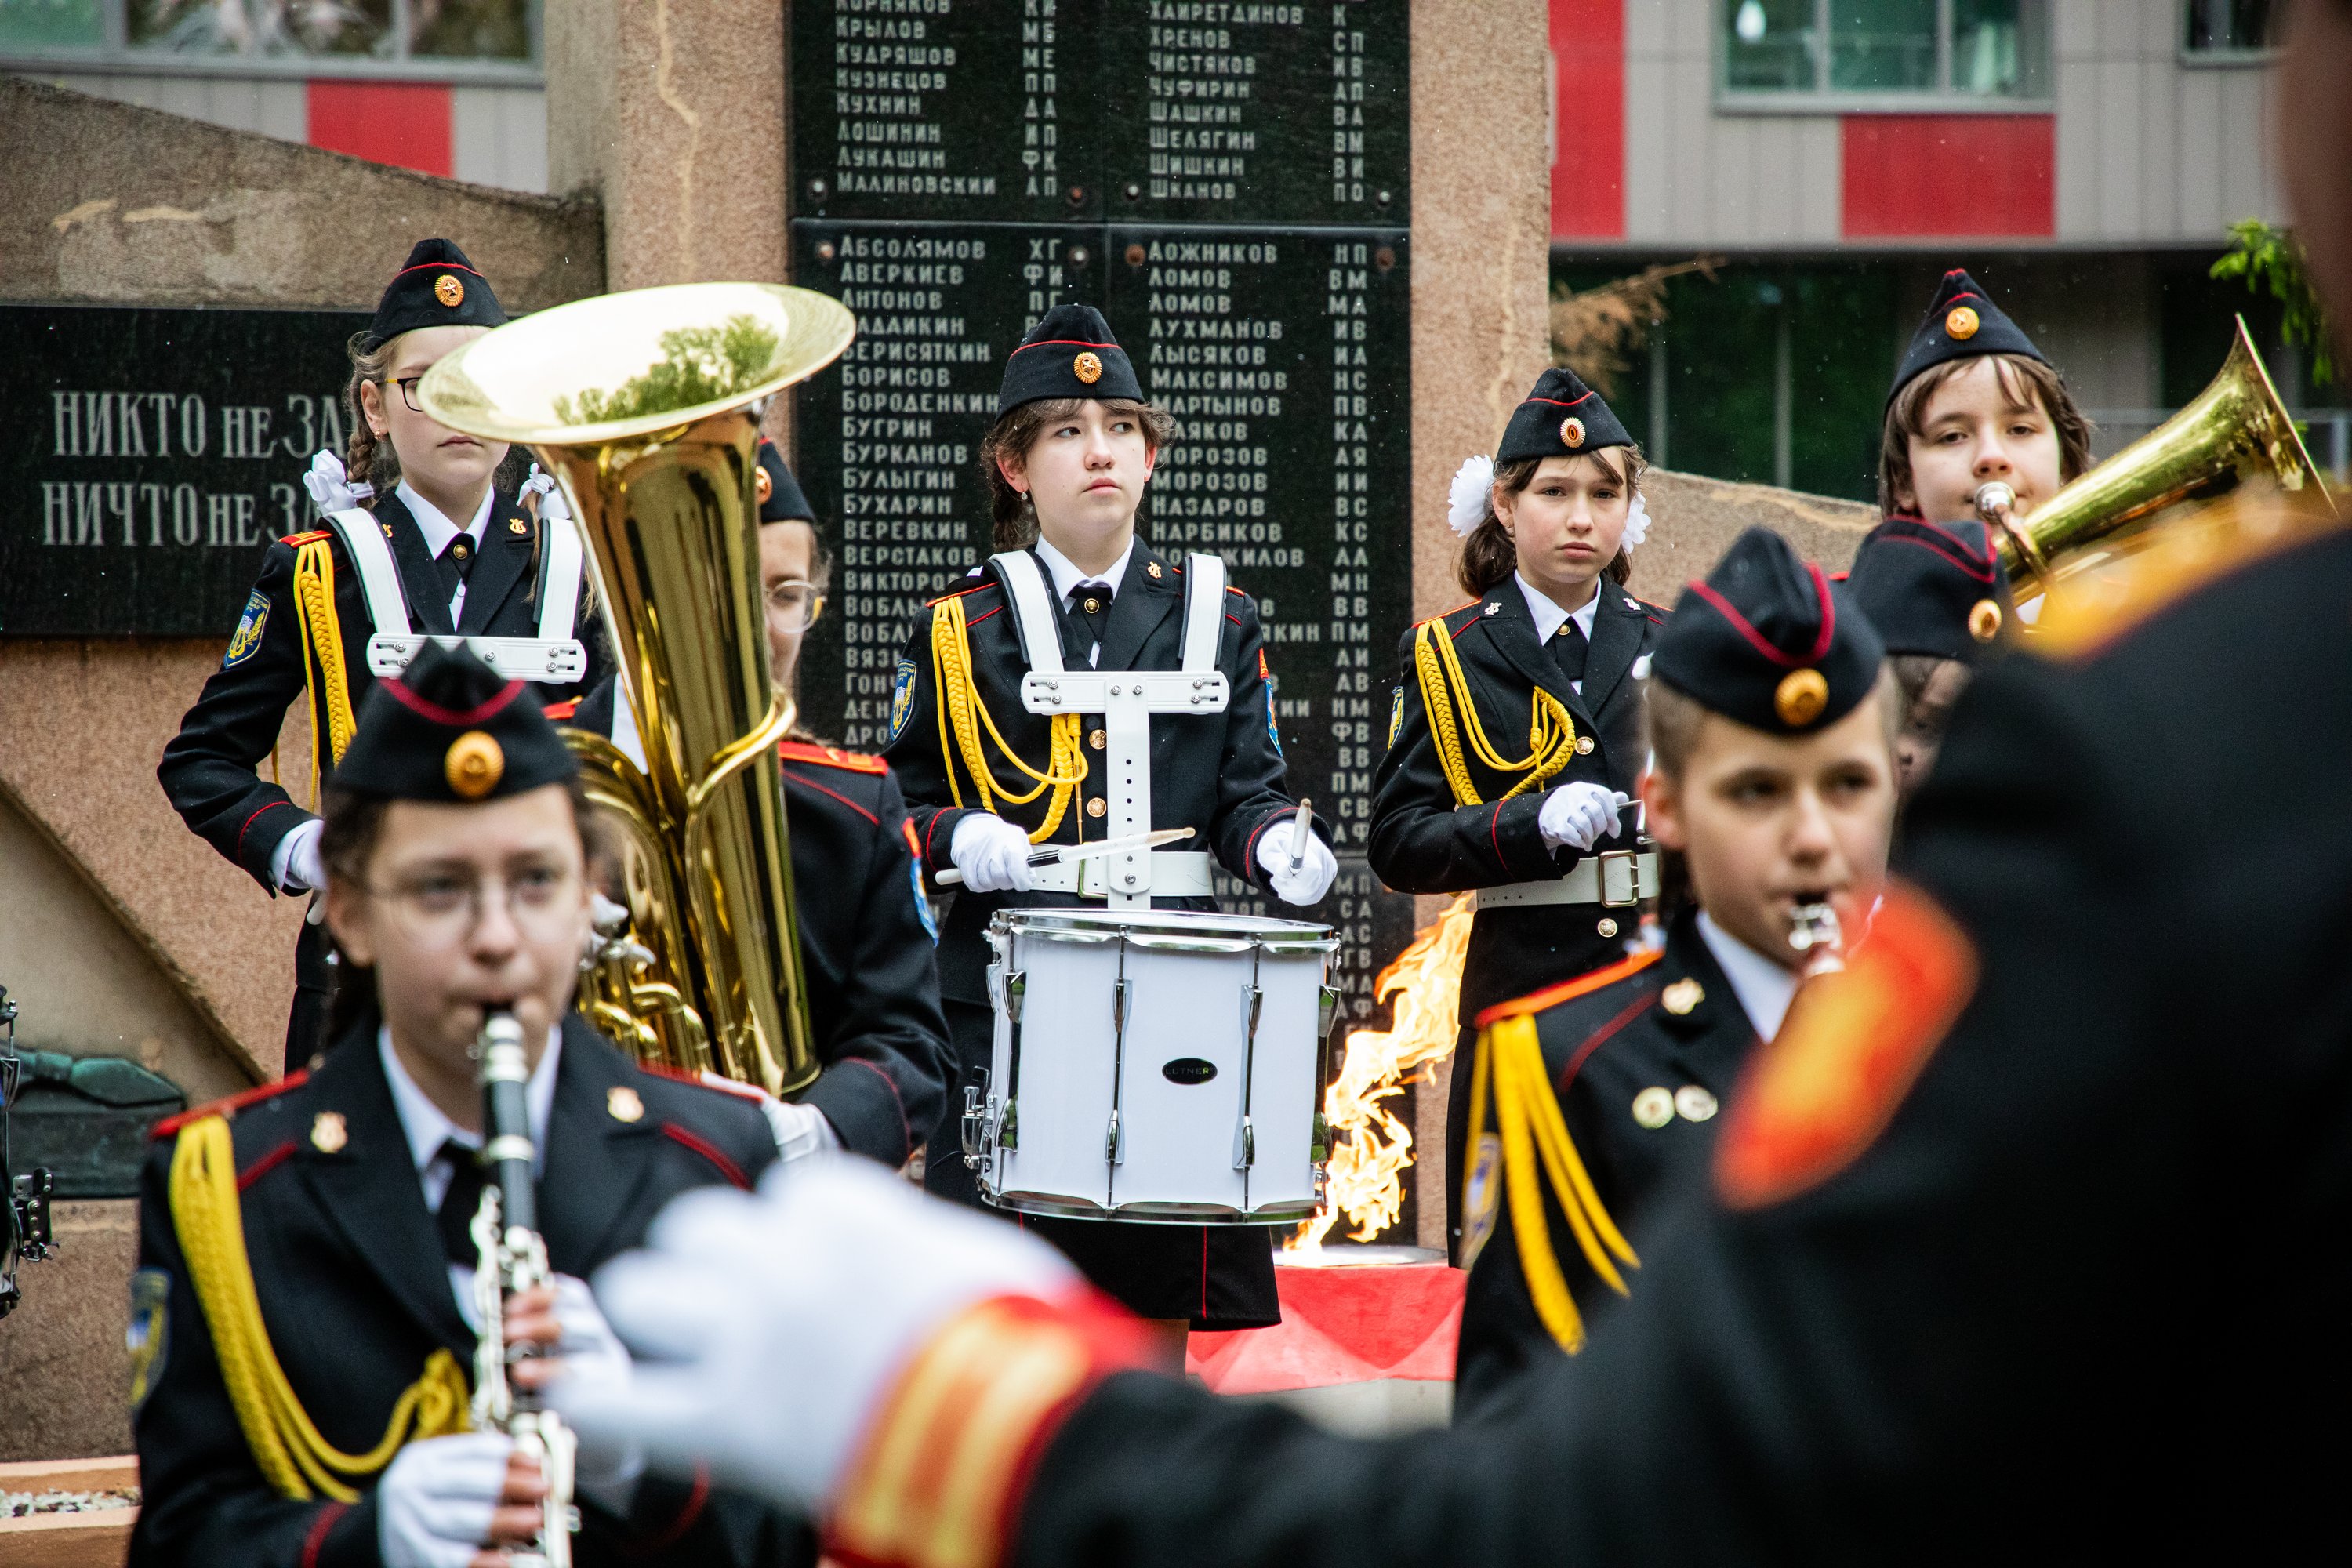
point(154, 456)
point(1117, 110)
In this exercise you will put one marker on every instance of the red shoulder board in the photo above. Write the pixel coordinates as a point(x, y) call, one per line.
point(959, 593)
point(170, 1125)
point(830, 757)
point(710, 1080)
point(559, 711)
point(1568, 990)
point(311, 537)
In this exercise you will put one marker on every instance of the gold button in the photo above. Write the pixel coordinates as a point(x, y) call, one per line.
point(1584, 745)
point(1606, 926)
point(1092, 606)
point(1096, 806)
point(1653, 1107)
point(461, 549)
point(1697, 1104)
point(1098, 740)
point(1682, 996)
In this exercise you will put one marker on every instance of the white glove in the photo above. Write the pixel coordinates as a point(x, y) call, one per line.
point(594, 1356)
point(435, 1502)
point(1580, 815)
point(329, 488)
point(993, 854)
point(552, 506)
point(773, 1326)
point(295, 865)
point(1311, 880)
point(800, 1131)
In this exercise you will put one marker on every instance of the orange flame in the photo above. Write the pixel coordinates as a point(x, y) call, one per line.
point(1367, 1167)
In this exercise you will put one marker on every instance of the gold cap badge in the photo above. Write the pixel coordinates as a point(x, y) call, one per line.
point(764, 482)
point(448, 290)
point(474, 764)
point(1653, 1107)
point(1960, 323)
point(623, 1103)
point(1571, 431)
point(1984, 620)
point(328, 1134)
point(1087, 367)
point(1800, 697)
point(1682, 996)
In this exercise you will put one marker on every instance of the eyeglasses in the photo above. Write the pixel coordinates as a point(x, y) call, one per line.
point(407, 384)
point(794, 607)
point(441, 909)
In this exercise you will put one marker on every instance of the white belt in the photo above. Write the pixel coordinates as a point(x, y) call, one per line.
point(550, 662)
point(1615, 880)
point(1175, 874)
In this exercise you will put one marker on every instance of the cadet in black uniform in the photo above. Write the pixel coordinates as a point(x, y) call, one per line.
point(306, 1264)
point(1067, 460)
point(1770, 726)
point(865, 935)
point(450, 553)
point(1515, 736)
point(1939, 600)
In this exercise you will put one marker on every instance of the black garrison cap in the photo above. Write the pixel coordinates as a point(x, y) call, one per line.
point(780, 494)
point(1962, 324)
point(437, 288)
point(1765, 643)
point(1562, 418)
point(451, 729)
point(1933, 588)
point(1070, 354)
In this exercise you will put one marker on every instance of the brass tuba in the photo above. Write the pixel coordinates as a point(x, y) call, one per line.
point(2236, 429)
point(643, 405)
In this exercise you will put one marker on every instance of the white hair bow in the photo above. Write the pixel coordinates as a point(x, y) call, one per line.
point(1637, 524)
point(552, 506)
point(326, 483)
point(1466, 499)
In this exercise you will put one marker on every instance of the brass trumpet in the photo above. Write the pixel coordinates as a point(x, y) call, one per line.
point(643, 405)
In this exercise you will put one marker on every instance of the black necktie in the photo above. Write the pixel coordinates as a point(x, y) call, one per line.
point(456, 560)
point(1090, 603)
point(459, 1202)
point(1569, 648)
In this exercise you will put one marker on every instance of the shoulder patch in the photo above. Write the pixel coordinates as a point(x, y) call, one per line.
point(1396, 716)
point(902, 698)
point(150, 1330)
point(1819, 1095)
point(1266, 673)
point(1569, 990)
point(825, 756)
point(246, 640)
point(312, 536)
point(228, 1109)
point(915, 876)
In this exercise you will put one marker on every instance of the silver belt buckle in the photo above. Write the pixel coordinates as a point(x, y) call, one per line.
point(1620, 866)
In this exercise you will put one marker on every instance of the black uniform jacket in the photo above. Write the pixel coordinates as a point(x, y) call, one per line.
point(866, 946)
point(209, 769)
point(1219, 774)
point(2080, 1299)
point(1603, 1049)
point(1423, 842)
point(355, 1288)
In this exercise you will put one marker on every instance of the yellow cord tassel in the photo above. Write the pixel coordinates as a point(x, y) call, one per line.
point(322, 637)
point(1551, 730)
point(1526, 1113)
point(962, 715)
point(291, 1453)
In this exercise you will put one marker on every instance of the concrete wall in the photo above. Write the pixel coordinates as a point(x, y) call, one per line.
point(65, 1371)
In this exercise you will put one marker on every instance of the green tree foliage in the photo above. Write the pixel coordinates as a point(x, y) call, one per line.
point(2272, 258)
point(698, 365)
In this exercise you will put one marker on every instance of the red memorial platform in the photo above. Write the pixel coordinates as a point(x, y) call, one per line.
point(1351, 1317)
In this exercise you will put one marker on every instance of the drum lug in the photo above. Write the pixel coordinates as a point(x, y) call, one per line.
point(1113, 1147)
point(1319, 1149)
point(1252, 1004)
point(1008, 1129)
point(976, 1120)
point(1244, 1144)
point(1118, 1005)
point(1016, 991)
point(1326, 1009)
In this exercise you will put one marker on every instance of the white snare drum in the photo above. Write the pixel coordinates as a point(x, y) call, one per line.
point(1154, 1064)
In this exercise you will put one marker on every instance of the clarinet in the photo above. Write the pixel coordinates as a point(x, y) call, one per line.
point(513, 1257)
point(1817, 940)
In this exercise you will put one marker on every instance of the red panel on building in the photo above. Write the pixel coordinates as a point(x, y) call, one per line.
point(1928, 176)
point(1587, 165)
point(403, 123)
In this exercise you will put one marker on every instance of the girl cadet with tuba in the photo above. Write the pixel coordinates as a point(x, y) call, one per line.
point(1067, 462)
point(420, 536)
point(1514, 737)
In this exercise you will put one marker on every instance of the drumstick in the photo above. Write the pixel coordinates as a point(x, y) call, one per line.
point(1072, 853)
point(1301, 823)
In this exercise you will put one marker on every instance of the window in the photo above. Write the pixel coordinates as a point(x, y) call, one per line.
point(1896, 52)
point(465, 39)
point(2226, 27)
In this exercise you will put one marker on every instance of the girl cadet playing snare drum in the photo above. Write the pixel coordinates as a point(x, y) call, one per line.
point(986, 780)
point(424, 541)
point(1545, 660)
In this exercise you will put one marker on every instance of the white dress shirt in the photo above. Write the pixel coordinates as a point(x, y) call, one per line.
point(1548, 616)
point(428, 1129)
point(1764, 988)
point(439, 531)
point(1067, 576)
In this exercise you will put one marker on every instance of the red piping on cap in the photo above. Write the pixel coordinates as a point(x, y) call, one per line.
point(440, 715)
point(1062, 344)
point(438, 266)
point(1762, 644)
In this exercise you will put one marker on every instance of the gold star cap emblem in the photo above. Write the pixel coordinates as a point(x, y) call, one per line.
point(1962, 323)
point(1984, 620)
point(449, 290)
point(764, 482)
point(1571, 432)
point(1682, 996)
point(622, 1103)
point(328, 1134)
point(1653, 1107)
point(1087, 367)
point(1800, 697)
point(474, 764)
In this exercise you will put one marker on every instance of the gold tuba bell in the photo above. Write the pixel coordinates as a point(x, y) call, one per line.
point(2237, 429)
point(643, 405)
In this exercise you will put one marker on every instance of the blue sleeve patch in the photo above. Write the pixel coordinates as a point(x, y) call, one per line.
point(149, 1335)
point(1273, 730)
point(248, 640)
point(902, 698)
point(1396, 717)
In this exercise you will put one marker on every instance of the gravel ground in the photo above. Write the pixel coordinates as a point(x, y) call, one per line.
point(16, 1505)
